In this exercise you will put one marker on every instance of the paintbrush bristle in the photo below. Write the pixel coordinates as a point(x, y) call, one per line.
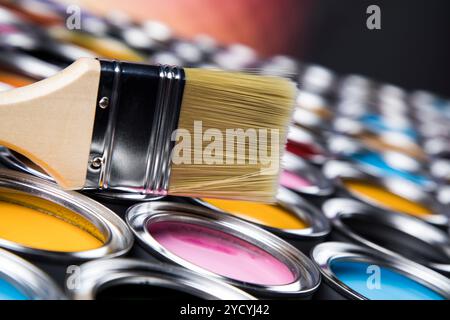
point(222, 101)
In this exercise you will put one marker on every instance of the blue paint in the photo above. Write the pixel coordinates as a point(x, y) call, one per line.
point(376, 123)
point(9, 292)
point(393, 285)
point(375, 161)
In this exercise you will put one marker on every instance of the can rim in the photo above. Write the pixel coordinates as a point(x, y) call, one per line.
point(296, 134)
point(118, 236)
point(338, 209)
point(325, 253)
point(34, 282)
point(319, 225)
point(99, 274)
point(340, 170)
point(307, 275)
point(322, 186)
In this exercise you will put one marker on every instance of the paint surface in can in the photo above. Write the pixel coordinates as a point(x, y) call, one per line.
point(294, 181)
point(221, 253)
point(273, 216)
point(303, 150)
point(390, 285)
point(40, 224)
point(9, 292)
point(14, 80)
point(375, 161)
point(380, 195)
point(377, 123)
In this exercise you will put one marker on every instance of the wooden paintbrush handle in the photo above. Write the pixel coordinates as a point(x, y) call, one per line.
point(51, 121)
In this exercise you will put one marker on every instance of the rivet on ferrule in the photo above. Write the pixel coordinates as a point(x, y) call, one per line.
point(103, 103)
point(96, 163)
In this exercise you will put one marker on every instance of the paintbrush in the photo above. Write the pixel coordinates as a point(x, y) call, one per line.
point(110, 125)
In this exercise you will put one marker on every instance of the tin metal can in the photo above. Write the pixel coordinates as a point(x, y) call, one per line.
point(389, 193)
point(390, 232)
point(87, 216)
point(25, 281)
point(124, 279)
point(315, 227)
point(297, 277)
point(393, 277)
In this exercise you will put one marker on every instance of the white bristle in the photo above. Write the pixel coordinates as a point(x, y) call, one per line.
point(227, 100)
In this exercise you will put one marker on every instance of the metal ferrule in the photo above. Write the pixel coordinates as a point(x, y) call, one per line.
point(137, 112)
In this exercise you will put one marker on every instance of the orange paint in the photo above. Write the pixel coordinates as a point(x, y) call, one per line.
point(382, 196)
point(15, 80)
point(273, 216)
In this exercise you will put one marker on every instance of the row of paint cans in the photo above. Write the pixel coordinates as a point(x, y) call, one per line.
point(382, 163)
point(223, 247)
point(362, 142)
point(64, 228)
point(111, 279)
point(432, 114)
point(390, 232)
point(350, 271)
point(389, 193)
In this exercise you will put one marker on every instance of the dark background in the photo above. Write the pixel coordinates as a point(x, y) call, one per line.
point(412, 49)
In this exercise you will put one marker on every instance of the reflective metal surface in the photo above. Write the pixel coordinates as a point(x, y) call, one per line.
point(307, 275)
point(99, 274)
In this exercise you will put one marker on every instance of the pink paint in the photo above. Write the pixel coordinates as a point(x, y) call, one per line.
point(293, 181)
point(221, 253)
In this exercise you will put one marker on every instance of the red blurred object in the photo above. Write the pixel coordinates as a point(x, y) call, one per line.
point(269, 26)
point(304, 150)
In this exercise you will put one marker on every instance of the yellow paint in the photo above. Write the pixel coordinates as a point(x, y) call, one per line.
point(273, 216)
point(103, 46)
point(40, 224)
point(380, 195)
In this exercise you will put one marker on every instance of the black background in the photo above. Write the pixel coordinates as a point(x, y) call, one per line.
point(412, 49)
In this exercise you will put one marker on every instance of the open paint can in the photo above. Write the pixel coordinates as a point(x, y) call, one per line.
point(20, 280)
point(302, 177)
point(127, 279)
point(392, 194)
point(354, 272)
point(292, 217)
point(390, 232)
point(317, 79)
point(225, 248)
point(40, 220)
